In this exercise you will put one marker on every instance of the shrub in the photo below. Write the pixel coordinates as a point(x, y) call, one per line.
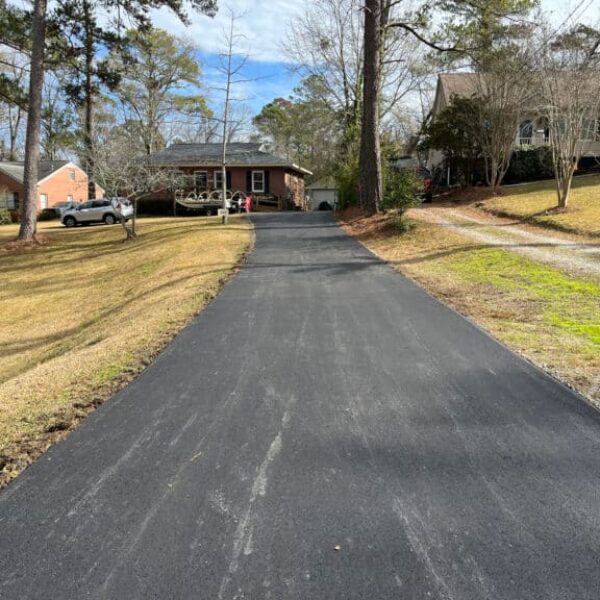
point(530, 163)
point(48, 214)
point(346, 178)
point(402, 190)
point(5, 217)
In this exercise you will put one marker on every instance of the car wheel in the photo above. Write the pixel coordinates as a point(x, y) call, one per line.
point(109, 219)
point(69, 222)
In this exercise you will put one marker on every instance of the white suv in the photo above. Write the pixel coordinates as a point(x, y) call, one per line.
point(105, 210)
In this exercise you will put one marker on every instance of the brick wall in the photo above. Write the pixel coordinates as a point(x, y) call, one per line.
point(68, 181)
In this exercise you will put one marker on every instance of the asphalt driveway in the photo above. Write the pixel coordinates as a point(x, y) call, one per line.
point(324, 430)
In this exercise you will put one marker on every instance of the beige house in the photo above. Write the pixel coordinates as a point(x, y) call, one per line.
point(531, 130)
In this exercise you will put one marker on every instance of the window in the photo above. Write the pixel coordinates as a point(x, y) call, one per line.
point(543, 130)
point(588, 133)
point(69, 198)
point(526, 133)
point(43, 201)
point(200, 181)
point(4, 199)
point(258, 181)
point(72, 174)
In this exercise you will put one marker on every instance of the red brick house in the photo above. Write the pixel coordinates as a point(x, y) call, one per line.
point(58, 181)
point(251, 168)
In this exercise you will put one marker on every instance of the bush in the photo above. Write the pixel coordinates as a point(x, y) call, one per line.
point(346, 179)
point(5, 218)
point(402, 190)
point(530, 163)
point(48, 214)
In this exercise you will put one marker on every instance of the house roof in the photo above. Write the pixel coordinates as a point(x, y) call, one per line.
point(16, 169)
point(209, 155)
point(464, 85)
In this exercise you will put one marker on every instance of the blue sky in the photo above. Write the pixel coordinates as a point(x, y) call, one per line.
point(263, 24)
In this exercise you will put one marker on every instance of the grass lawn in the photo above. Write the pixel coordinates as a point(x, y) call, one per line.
point(550, 317)
point(532, 203)
point(83, 314)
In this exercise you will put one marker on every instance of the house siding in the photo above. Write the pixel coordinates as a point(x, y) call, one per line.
point(58, 187)
point(283, 184)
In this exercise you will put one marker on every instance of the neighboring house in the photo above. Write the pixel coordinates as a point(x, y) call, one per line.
point(58, 181)
point(532, 130)
point(251, 168)
point(324, 190)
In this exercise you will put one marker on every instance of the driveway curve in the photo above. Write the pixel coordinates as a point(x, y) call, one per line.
point(323, 430)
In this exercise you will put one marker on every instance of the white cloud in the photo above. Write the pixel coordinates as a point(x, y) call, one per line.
point(262, 22)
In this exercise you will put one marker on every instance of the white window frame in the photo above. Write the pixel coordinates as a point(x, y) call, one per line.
point(43, 201)
point(255, 190)
point(70, 198)
point(589, 133)
point(217, 174)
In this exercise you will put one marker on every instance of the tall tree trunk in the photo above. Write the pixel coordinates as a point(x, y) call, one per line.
point(28, 227)
point(370, 181)
point(90, 163)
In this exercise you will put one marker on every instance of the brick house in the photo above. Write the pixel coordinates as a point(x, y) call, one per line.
point(273, 180)
point(58, 181)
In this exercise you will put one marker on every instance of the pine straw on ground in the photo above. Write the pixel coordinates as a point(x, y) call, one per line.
point(84, 314)
point(550, 317)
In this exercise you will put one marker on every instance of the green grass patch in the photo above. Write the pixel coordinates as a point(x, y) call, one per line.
point(564, 302)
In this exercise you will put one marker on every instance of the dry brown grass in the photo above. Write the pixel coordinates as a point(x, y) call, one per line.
point(536, 203)
point(82, 314)
point(550, 317)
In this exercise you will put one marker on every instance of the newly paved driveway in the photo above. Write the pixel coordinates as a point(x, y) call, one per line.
point(322, 400)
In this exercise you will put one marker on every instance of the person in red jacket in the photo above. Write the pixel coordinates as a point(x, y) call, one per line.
point(248, 203)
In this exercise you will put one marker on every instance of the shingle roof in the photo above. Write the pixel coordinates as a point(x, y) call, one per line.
point(16, 169)
point(466, 85)
point(209, 155)
point(463, 85)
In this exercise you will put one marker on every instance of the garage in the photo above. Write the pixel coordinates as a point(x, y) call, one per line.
point(323, 191)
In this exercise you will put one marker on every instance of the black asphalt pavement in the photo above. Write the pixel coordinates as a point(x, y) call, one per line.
point(324, 430)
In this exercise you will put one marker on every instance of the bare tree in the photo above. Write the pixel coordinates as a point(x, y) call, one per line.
point(570, 84)
point(327, 42)
point(501, 99)
point(231, 64)
point(122, 172)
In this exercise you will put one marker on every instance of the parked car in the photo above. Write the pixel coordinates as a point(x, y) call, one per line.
point(105, 210)
point(62, 207)
point(427, 177)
